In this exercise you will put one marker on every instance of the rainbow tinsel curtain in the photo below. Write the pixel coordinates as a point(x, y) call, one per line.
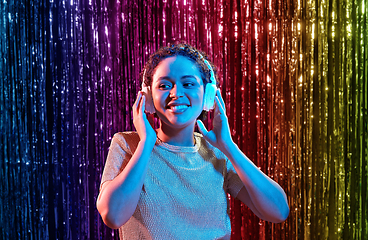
point(294, 77)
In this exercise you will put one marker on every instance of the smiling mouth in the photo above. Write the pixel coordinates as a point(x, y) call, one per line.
point(178, 108)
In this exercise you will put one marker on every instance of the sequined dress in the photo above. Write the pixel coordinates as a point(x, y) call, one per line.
point(184, 194)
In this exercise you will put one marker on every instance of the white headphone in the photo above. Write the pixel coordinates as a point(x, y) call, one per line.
point(210, 92)
point(209, 97)
point(148, 93)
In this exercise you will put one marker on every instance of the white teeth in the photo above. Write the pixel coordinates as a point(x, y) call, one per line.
point(179, 107)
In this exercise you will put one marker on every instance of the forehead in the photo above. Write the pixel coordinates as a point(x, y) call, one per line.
point(176, 66)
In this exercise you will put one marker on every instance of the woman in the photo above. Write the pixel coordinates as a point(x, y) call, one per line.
point(172, 182)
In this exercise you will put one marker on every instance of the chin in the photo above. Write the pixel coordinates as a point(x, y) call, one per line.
point(180, 120)
point(180, 124)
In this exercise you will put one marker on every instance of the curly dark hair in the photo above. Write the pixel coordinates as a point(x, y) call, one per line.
point(182, 49)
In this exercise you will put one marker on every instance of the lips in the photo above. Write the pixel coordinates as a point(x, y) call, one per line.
point(176, 104)
point(177, 107)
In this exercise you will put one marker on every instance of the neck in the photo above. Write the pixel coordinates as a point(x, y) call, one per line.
point(176, 136)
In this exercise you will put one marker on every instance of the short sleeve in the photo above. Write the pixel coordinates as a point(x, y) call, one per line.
point(233, 181)
point(120, 152)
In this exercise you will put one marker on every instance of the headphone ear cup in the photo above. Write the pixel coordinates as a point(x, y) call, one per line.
point(149, 101)
point(209, 97)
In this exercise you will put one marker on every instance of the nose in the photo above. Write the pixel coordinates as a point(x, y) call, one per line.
point(176, 91)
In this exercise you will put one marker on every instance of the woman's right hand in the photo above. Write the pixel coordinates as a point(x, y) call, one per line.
point(140, 121)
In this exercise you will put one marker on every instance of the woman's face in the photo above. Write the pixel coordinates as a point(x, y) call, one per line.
point(177, 91)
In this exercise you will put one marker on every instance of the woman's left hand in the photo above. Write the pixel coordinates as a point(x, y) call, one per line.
point(220, 135)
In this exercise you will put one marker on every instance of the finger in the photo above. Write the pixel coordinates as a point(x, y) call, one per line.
point(216, 108)
point(218, 93)
point(141, 102)
point(219, 106)
point(143, 106)
point(136, 103)
point(202, 128)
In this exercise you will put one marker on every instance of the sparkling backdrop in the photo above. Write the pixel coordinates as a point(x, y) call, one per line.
point(294, 78)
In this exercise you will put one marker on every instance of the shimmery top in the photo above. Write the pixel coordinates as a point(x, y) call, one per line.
point(184, 195)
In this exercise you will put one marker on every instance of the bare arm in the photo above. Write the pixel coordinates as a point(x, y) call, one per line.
point(118, 198)
point(261, 194)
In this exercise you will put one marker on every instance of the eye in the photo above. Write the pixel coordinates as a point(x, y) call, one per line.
point(189, 84)
point(164, 86)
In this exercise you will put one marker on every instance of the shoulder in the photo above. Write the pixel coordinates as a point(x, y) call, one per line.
point(212, 154)
point(205, 146)
point(128, 141)
point(126, 136)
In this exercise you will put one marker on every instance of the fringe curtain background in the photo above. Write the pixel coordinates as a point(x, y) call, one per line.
point(294, 77)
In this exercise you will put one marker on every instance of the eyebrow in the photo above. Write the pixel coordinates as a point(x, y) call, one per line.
point(188, 76)
point(168, 78)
